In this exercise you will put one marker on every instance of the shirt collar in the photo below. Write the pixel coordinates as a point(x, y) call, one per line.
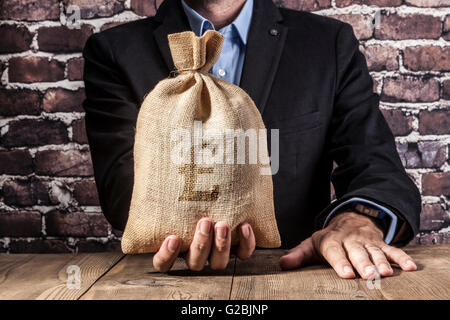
point(242, 22)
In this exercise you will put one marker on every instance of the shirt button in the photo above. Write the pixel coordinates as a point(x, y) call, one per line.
point(222, 73)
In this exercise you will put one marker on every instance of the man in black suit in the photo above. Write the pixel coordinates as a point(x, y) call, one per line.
point(307, 78)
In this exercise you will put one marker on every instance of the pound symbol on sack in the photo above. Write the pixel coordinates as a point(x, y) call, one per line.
point(191, 172)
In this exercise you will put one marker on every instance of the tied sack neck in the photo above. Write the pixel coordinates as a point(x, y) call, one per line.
point(192, 53)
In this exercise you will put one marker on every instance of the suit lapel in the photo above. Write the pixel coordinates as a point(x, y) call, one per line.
point(264, 47)
point(173, 20)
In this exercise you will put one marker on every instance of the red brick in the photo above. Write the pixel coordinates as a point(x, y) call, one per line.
point(380, 57)
point(428, 58)
point(410, 89)
point(417, 26)
point(433, 217)
point(25, 192)
point(63, 39)
point(428, 3)
point(434, 122)
point(35, 69)
point(14, 38)
point(400, 124)
point(432, 153)
point(30, 10)
point(145, 7)
point(39, 246)
point(16, 162)
point(60, 193)
point(436, 184)
point(97, 246)
point(63, 163)
point(446, 33)
point(75, 69)
point(434, 238)
point(362, 24)
point(85, 192)
point(63, 100)
point(75, 224)
point(379, 3)
point(408, 155)
point(79, 131)
point(97, 8)
point(427, 154)
point(20, 224)
point(15, 102)
point(30, 132)
point(446, 90)
point(306, 5)
point(376, 85)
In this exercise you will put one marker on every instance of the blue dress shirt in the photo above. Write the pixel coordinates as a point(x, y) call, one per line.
point(231, 60)
point(229, 67)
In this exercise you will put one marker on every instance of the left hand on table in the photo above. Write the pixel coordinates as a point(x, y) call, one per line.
point(350, 240)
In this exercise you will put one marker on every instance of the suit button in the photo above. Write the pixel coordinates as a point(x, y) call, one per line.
point(274, 32)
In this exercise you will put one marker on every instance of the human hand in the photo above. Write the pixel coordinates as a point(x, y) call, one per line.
point(211, 241)
point(350, 240)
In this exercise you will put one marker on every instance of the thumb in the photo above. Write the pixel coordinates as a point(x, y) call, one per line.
point(302, 254)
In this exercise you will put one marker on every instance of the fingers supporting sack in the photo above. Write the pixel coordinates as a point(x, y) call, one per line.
point(166, 255)
point(220, 254)
point(201, 245)
point(247, 241)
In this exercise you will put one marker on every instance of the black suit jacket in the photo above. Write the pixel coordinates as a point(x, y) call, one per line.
point(309, 79)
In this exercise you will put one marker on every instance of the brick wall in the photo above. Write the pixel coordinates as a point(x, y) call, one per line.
point(48, 200)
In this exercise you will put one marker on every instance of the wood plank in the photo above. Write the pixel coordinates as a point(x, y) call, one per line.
point(261, 278)
point(135, 278)
point(430, 281)
point(44, 276)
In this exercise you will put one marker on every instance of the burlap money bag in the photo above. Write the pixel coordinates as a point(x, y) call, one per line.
point(168, 197)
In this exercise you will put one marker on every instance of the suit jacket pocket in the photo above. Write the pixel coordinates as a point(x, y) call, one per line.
point(296, 123)
point(297, 134)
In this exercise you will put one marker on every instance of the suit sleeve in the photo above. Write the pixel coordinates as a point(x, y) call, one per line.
point(111, 113)
point(362, 145)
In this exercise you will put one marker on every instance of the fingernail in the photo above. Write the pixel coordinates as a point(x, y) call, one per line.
point(410, 264)
point(222, 233)
point(172, 245)
point(384, 268)
point(246, 231)
point(369, 270)
point(205, 227)
point(347, 270)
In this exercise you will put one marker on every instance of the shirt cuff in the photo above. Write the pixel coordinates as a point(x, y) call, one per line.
point(383, 213)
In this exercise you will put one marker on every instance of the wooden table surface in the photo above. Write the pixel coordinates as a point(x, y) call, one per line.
point(116, 276)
